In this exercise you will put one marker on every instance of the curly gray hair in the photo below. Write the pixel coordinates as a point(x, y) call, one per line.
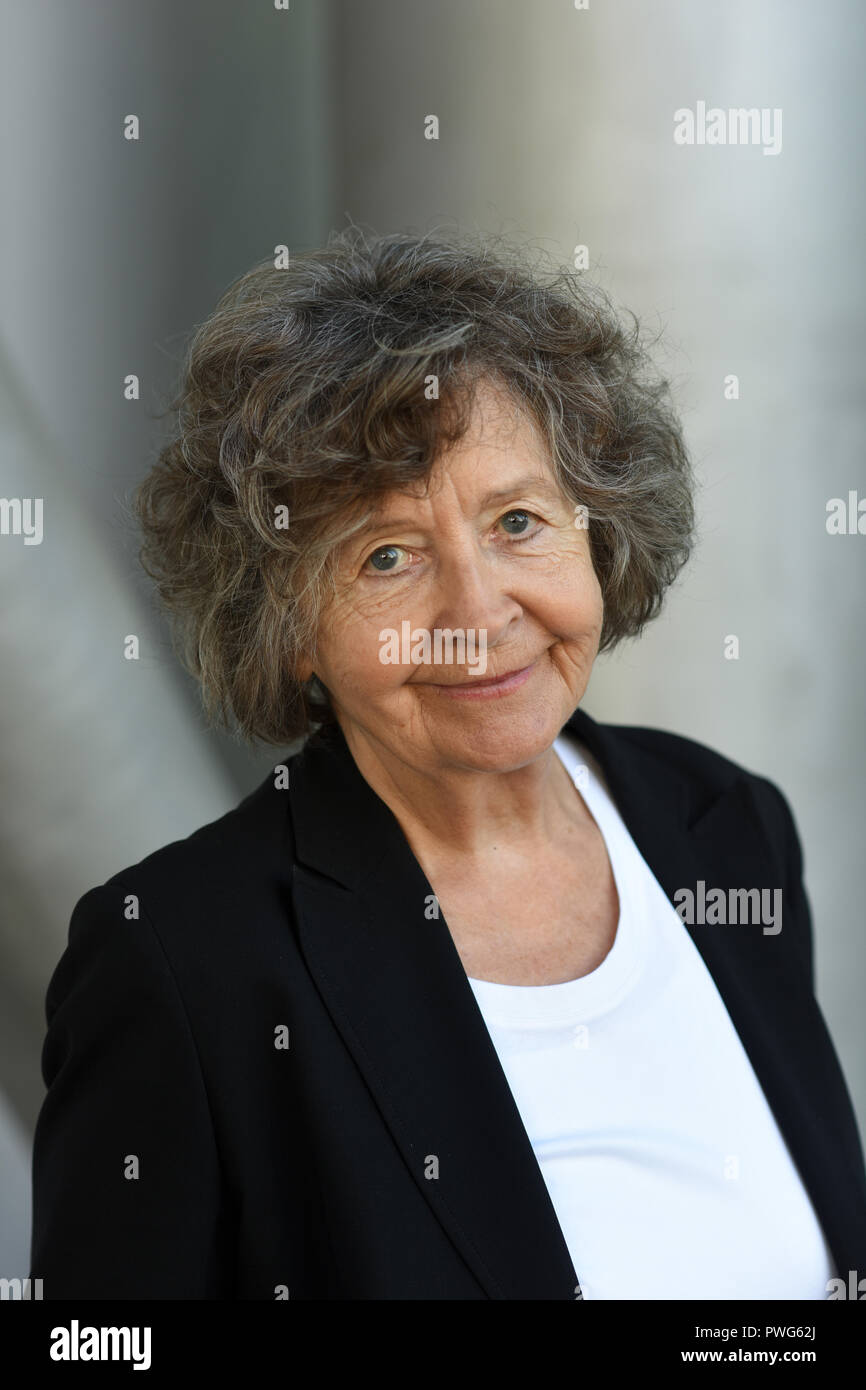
point(306, 390)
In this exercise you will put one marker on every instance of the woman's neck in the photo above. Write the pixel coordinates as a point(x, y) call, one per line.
point(448, 810)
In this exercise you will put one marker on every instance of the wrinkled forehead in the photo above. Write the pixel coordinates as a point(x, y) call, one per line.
point(500, 439)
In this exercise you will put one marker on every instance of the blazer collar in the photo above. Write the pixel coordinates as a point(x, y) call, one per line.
point(395, 987)
point(344, 830)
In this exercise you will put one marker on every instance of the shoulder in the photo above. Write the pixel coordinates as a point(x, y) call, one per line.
point(693, 759)
point(192, 895)
point(705, 773)
point(713, 767)
point(254, 831)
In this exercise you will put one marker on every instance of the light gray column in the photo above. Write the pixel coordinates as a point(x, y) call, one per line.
point(556, 127)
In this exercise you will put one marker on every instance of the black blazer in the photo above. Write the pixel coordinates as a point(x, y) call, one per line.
point(267, 1171)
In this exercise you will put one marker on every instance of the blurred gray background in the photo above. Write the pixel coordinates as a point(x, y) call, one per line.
point(261, 127)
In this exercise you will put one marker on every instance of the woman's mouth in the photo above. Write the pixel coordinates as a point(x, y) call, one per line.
point(485, 689)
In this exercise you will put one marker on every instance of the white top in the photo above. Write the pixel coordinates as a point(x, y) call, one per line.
point(666, 1169)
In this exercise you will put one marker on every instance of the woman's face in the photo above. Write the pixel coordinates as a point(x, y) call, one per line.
point(489, 550)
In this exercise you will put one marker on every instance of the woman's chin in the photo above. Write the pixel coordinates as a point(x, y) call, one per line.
point(496, 741)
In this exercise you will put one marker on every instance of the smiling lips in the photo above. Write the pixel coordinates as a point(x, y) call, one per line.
point(484, 689)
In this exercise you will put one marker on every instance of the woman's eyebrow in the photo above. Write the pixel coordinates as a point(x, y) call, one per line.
point(531, 483)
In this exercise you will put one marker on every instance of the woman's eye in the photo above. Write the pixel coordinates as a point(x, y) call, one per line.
point(386, 558)
point(517, 522)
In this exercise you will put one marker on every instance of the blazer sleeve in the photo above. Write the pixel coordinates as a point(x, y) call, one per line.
point(128, 1199)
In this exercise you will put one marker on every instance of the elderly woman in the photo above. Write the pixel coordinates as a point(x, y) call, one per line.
point(475, 997)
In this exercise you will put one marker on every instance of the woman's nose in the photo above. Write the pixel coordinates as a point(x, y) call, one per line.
point(472, 592)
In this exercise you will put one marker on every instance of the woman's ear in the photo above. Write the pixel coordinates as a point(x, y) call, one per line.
point(305, 670)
